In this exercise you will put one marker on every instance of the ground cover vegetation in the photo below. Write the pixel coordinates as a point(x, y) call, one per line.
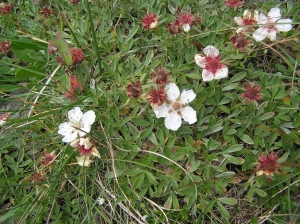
point(159, 111)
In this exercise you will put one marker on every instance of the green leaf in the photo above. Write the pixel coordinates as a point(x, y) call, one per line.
point(238, 77)
point(175, 201)
point(30, 71)
point(228, 174)
point(260, 192)
point(152, 138)
point(234, 160)
point(209, 206)
point(140, 122)
point(160, 136)
point(131, 33)
point(229, 87)
point(229, 201)
point(283, 158)
point(287, 142)
point(148, 58)
point(168, 202)
point(234, 148)
point(146, 132)
point(223, 210)
point(139, 181)
point(151, 178)
point(266, 116)
point(133, 172)
point(63, 49)
point(247, 139)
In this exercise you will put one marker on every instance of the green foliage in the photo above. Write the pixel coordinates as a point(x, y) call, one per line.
point(203, 172)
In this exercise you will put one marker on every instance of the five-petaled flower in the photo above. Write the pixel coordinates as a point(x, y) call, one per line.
point(150, 21)
point(157, 96)
point(267, 164)
point(6, 8)
point(247, 21)
point(252, 93)
point(234, 3)
point(212, 66)
point(79, 124)
point(134, 90)
point(176, 107)
point(240, 41)
point(86, 149)
point(271, 25)
point(160, 76)
point(5, 47)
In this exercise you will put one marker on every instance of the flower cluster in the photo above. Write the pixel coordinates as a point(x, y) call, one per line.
point(46, 12)
point(134, 90)
point(74, 84)
point(74, 132)
point(211, 63)
point(157, 96)
point(150, 21)
point(48, 159)
point(234, 3)
point(5, 47)
point(267, 165)
point(183, 22)
point(6, 8)
point(252, 93)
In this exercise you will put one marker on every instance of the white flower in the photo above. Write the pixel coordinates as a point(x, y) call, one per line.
point(271, 25)
point(211, 64)
point(84, 160)
point(246, 21)
point(79, 124)
point(176, 107)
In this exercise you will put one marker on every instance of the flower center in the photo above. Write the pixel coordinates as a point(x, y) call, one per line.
point(176, 106)
point(213, 64)
point(84, 151)
point(248, 21)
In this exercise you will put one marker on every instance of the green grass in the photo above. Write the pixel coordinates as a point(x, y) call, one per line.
point(205, 172)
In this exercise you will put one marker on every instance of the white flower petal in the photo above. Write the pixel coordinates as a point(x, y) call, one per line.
point(247, 14)
point(200, 60)
point(238, 20)
point(221, 73)
point(262, 19)
point(173, 121)
point(172, 91)
point(75, 114)
point(211, 51)
point(84, 130)
point(83, 160)
point(187, 96)
point(95, 152)
point(161, 111)
point(186, 27)
point(272, 34)
point(284, 25)
point(207, 76)
point(85, 142)
point(274, 15)
point(189, 114)
point(66, 130)
point(88, 117)
point(260, 34)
